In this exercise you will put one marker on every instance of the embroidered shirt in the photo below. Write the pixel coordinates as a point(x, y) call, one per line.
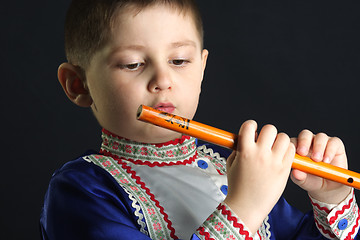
point(169, 191)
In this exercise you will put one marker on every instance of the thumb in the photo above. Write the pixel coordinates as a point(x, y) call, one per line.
point(298, 177)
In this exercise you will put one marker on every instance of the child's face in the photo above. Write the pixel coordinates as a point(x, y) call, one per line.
point(154, 58)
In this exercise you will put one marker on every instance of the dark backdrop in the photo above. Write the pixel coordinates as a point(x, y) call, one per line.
point(294, 64)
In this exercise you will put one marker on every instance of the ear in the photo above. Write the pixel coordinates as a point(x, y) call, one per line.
point(204, 56)
point(73, 82)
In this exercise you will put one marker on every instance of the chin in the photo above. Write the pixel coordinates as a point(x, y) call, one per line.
point(160, 135)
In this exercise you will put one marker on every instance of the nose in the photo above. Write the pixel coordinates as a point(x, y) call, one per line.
point(160, 81)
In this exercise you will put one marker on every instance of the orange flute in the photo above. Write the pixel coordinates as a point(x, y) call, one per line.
point(228, 140)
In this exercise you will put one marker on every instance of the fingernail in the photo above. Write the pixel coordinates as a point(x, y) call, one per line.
point(326, 160)
point(302, 150)
point(316, 156)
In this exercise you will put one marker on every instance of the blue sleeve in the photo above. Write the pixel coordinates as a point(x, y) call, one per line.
point(288, 222)
point(84, 203)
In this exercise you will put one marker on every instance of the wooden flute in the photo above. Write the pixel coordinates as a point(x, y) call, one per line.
point(228, 140)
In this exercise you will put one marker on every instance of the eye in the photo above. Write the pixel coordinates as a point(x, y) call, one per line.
point(179, 62)
point(131, 66)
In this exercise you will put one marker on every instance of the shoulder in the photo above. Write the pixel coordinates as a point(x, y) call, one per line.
point(84, 195)
point(78, 186)
point(82, 175)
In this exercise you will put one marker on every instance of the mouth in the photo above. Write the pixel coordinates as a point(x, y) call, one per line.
point(165, 107)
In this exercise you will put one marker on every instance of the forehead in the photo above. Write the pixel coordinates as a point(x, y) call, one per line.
point(172, 18)
point(134, 9)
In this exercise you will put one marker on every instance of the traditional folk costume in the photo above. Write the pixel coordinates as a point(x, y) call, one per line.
point(173, 190)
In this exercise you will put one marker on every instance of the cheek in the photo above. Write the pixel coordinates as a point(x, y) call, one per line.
point(191, 98)
point(127, 99)
point(108, 99)
point(119, 91)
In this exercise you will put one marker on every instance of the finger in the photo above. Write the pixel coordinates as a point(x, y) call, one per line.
point(289, 156)
point(294, 141)
point(304, 142)
point(281, 143)
point(318, 147)
point(334, 147)
point(247, 134)
point(267, 136)
point(298, 177)
point(306, 181)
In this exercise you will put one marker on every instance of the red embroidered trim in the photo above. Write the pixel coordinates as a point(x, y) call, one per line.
point(333, 219)
point(325, 231)
point(320, 208)
point(150, 164)
point(202, 232)
point(172, 142)
point(348, 237)
point(152, 197)
point(236, 224)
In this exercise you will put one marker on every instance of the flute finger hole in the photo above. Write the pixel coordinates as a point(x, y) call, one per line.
point(350, 180)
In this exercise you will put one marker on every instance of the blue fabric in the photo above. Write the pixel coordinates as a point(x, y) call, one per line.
point(83, 201)
point(288, 222)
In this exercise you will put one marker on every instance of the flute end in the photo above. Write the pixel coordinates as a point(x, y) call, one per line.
point(139, 111)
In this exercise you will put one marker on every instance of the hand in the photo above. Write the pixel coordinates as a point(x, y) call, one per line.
point(258, 172)
point(319, 148)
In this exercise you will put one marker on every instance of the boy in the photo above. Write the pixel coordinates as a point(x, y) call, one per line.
point(150, 183)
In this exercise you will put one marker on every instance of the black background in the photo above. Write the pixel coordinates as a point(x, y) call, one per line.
point(294, 64)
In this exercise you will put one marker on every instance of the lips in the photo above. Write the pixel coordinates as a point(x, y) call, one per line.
point(165, 107)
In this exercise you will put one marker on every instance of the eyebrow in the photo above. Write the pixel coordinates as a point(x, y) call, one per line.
point(183, 44)
point(141, 47)
point(136, 47)
point(115, 50)
point(127, 47)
